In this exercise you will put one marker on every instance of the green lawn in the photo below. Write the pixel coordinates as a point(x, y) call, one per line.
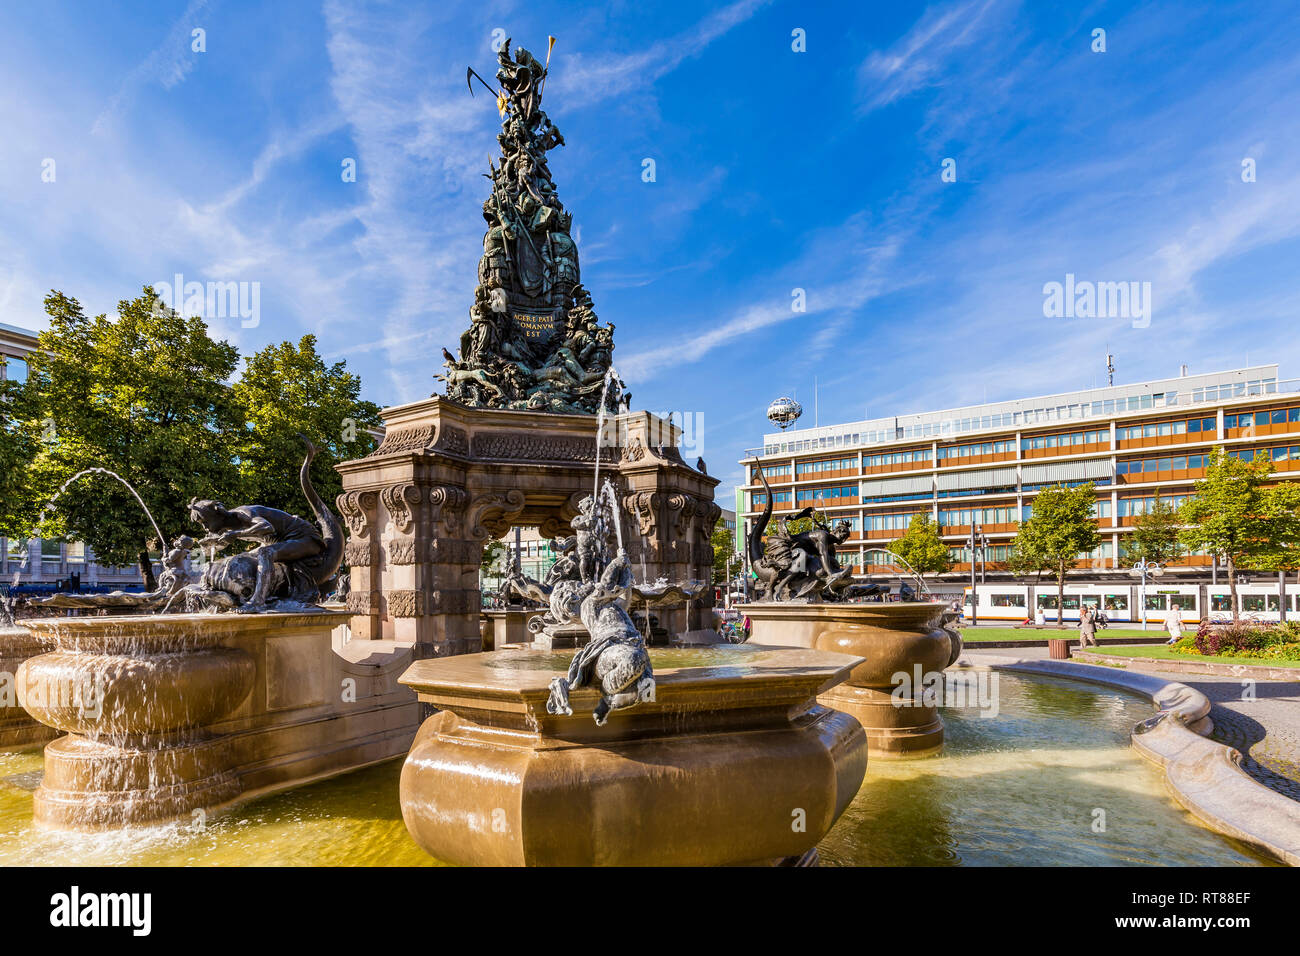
point(976, 634)
point(1161, 652)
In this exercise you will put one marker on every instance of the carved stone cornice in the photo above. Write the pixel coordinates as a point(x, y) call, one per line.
point(555, 526)
point(644, 505)
point(405, 603)
point(405, 439)
point(531, 446)
point(401, 551)
point(489, 514)
point(362, 602)
point(357, 509)
point(685, 507)
point(446, 507)
point(452, 441)
point(455, 551)
point(400, 500)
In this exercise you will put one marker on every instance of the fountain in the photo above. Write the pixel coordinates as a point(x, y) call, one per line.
point(615, 754)
point(188, 710)
point(806, 600)
point(18, 730)
point(589, 747)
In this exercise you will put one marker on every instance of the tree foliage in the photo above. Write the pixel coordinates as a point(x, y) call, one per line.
point(921, 547)
point(147, 394)
point(1155, 536)
point(1238, 517)
point(1061, 528)
point(723, 540)
point(142, 394)
point(287, 390)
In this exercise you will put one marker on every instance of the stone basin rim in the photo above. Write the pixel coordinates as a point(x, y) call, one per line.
point(142, 633)
point(470, 673)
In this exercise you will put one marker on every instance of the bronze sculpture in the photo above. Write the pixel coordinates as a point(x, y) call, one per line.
point(586, 585)
point(292, 565)
point(798, 566)
point(534, 340)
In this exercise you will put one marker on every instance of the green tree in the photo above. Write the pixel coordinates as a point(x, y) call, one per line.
point(1155, 536)
point(723, 540)
point(287, 390)
point(1061, 528)
point(921, 547)
point(1235, 515)
point(16, 451)
point(142, 394)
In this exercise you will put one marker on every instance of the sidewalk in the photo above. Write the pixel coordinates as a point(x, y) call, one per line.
point(1266, 730)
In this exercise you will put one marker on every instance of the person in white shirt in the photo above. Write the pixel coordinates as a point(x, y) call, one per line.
point(1174, 624)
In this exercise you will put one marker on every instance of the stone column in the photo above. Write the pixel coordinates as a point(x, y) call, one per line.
point(359, 555)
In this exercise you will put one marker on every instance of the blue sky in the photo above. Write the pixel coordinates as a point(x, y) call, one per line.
point(775, 170)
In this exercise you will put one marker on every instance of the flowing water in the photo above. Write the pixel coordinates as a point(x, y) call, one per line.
point(1020, 788)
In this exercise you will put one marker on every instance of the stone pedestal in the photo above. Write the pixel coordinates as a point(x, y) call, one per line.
point(446, 478)
point(509, 625)
point(902, 645)
point(734, 762)
point(18, 729)
point(167, 716)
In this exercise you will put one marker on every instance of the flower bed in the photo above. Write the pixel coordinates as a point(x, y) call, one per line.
point(1263, 641)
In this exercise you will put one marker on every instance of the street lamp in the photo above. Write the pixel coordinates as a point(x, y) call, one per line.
point(1145, 569)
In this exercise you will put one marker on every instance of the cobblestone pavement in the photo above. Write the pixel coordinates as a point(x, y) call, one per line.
point(1265, 729)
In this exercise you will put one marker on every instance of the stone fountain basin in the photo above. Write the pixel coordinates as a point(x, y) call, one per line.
point(734, 762)
point(890, 637)
point(141, 674)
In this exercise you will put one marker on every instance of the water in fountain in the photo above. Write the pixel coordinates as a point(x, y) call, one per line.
point(610, 376)
point(922, 587)
point(162, 541)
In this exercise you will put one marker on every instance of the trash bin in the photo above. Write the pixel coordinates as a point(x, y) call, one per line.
point(1058, 648)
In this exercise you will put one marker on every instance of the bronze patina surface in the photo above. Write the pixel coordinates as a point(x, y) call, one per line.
point(733, 762)
point(899, 643)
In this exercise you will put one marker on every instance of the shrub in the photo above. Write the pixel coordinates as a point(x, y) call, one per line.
point(1244, 639)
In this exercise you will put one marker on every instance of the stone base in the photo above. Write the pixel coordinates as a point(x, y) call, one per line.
point(198, 713)
point(902, 645)
point(561, 637)
point(18, 729)
point(893, 731)
point(733, 764)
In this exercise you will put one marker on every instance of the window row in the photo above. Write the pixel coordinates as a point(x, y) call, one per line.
point(822, 494)
point(830, 464)
point(1274, 416)
point(1151, 465)
point(1129, 507)
point(1100, 509)
point(898, 522)
point(1090, 437)
point(896, 458)
point(962, 516)
point(979, 448)
point(1213, 393)
point(1274, 453)
point(1163, 429)
point(760, 498)
point(776, 471)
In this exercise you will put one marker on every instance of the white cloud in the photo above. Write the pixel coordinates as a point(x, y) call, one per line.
point(168, 64)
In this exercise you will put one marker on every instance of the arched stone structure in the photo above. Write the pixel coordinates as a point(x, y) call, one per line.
point(446, 478)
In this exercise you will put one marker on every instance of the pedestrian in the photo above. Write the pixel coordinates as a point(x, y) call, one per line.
point(1040, 618)
point(1174, 623)
point(1087, 628)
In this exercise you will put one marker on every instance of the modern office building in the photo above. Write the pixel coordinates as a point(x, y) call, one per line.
point(985, 464)
point(37, 561)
